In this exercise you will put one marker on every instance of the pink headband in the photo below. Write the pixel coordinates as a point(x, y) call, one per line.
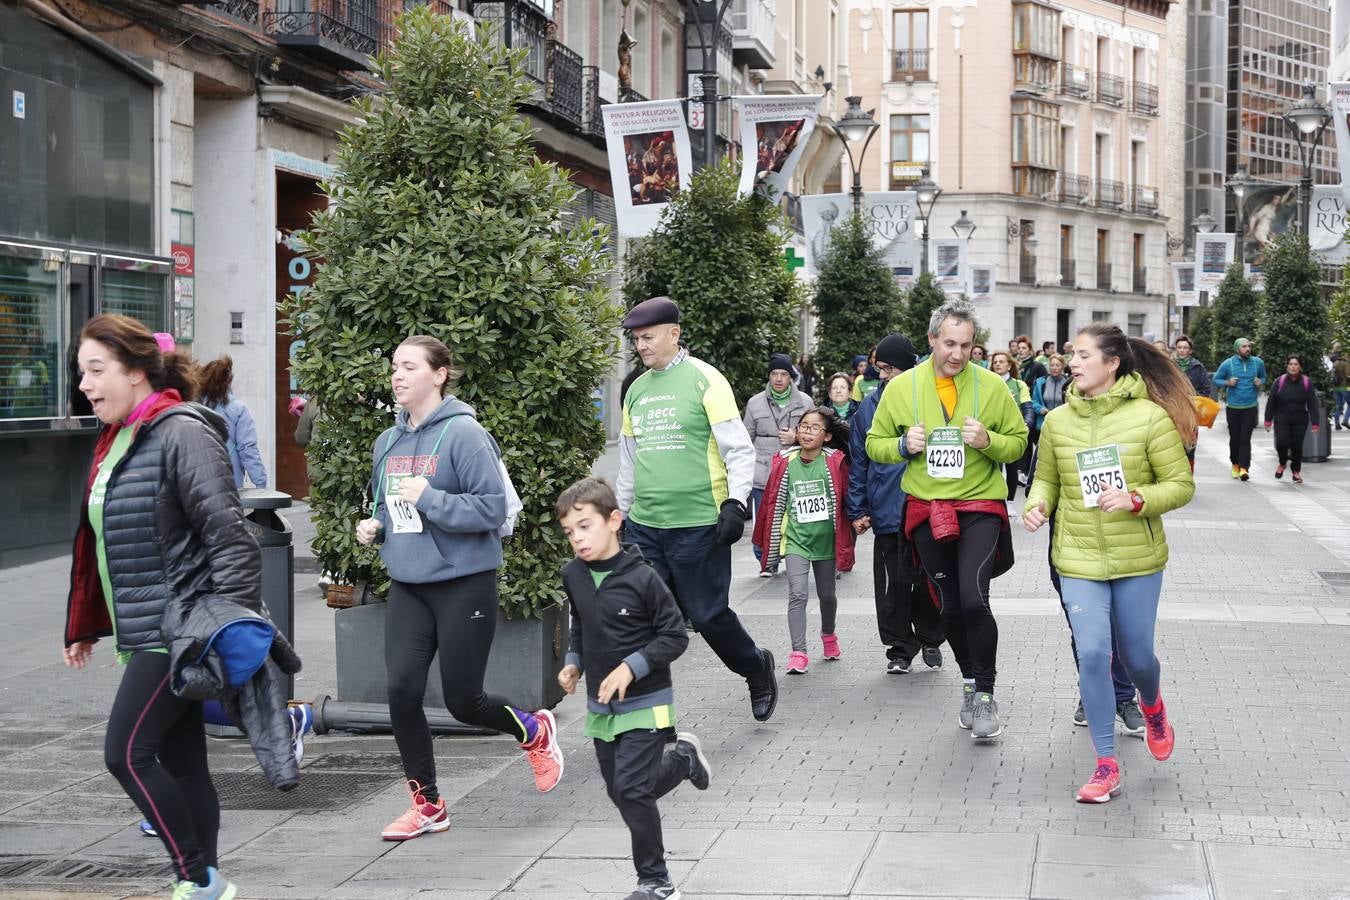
point(165, 341)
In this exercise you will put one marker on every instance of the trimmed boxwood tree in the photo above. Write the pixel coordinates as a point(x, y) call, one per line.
point(921, 301)
point(857, 300)
point(444, 222)
point(720, 257)
point(1293, 319)
point(1340, 311)
point(1236, 312)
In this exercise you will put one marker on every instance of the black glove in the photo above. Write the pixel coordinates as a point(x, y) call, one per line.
point(731, 522)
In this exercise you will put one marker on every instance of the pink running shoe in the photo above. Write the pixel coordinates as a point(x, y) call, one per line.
point(831, 644)
point(1102, 786)
point(544, 754)
point(797, 663)
point(419, 819)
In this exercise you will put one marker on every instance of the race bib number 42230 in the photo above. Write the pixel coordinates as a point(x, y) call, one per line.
point(1099, 469)
point(945, 453)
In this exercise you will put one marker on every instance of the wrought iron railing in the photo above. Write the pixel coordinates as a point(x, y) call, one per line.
point(1103, 276)
point(243, 10)
point(592, 122)
point(1068, 273)
point(1110, 193)
point(1027, 268)
point(520, 26)
point(1074, 81)
point(1140, 280)
point(564, 85)
point(1145, 98)
point(359, 25)
point(1145, 199)
point(909, 63)
point(1110, 89)
point(1073, 188)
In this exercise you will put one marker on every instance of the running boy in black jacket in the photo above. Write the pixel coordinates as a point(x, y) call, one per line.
point(626, 631)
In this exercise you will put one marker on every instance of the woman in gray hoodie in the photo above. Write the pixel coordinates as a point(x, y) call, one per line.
point(440, 501)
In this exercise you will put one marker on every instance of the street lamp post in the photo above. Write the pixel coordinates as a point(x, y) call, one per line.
point(1238, 183)
point(707, 41)
point(853, 126)
point(963, 227)
point(1307, 119)
point(926, 193)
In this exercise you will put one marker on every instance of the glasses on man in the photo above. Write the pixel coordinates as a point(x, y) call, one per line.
point(806, 428)
point(886, 370)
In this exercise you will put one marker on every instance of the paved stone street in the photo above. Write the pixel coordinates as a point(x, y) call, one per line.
point(861, 785)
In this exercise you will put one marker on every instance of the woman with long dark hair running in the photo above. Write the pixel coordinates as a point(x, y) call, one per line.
point(440, 501)
point(1112, 461)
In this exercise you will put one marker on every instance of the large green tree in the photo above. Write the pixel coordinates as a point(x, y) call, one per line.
point(1201, 333)
point(444, 222)
point(1235, 312)
point(720, 257)
point(921, 301)
point(1293, 318)
point(857, 301)
point(1340, 311)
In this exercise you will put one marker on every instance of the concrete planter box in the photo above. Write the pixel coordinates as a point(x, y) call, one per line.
point(523, 667)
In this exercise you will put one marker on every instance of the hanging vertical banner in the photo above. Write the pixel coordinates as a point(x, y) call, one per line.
point(983, 278)
point(1326, 224)
point(774, 133)
point(949, 264)
point(1340, 114)
point(649, 160)
point(1213, 255)
point(888, 217)
point(1183, 284)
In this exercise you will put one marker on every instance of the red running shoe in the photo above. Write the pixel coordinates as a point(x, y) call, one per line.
point(1102, 786)
point(1158, 733)
point(545, 755)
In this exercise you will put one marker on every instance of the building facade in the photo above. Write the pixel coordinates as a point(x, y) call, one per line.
point(1048, 125)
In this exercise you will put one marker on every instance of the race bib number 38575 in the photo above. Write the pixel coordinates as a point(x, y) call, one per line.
point(1099, 469)
point(945, 453)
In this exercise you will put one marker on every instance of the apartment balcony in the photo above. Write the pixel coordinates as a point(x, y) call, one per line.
point(563, 87)
point(1075, 81)
point(1110, 89)
point(338, 33)
point(1110, 194)
point(1068, 273)
point(1103, 276)
point(521, 26)
point(1145, 199)
point(592, 122)
point(246, 11)
point(1144, 98)
point(1026, 270)
point(909, 65)
point(752, 24)
point(1140, 281)
point(1074, 188)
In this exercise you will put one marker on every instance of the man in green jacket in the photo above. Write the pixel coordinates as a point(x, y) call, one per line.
point(956, 424)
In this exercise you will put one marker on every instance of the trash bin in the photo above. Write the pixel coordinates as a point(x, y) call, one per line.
point(273, 534)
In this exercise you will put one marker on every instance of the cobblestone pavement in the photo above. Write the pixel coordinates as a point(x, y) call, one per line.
point(861, 785)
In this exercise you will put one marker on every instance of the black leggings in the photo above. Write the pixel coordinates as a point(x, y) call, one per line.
point(1240, 425)
point(1289, 434)
point(155, 747)
point(961, 570)
point(458, 617)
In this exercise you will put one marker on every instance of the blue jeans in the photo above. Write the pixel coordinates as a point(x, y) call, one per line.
point(1342, 414)
point(1128, 609)
point(698, 573)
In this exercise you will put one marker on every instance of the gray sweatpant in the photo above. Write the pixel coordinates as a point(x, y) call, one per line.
point(798, 571)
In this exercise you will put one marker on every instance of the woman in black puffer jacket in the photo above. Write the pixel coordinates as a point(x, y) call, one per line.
point(163, 532)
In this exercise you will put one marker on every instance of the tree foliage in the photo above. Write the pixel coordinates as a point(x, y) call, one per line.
point(921, 301)
point(720, 257)
point(857, 301)
point(1294, 316)
point(443, 222)
point(1201, 332)
point(1340, 311)
point(1236, 312)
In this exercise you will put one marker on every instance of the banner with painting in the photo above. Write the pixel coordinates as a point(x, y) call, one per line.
point(888, 217)
point(649, 160)
point(1183, 284)
point(983, 279)
point(774, 132)
point(950, 270)
point(1213, 254)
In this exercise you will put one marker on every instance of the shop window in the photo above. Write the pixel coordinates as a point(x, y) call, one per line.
point(138, 291)
point(30, 337)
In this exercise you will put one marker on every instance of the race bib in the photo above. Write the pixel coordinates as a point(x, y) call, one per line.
point(403, 516)
point(810, 503)
point(946, 453)
point(1099, 469)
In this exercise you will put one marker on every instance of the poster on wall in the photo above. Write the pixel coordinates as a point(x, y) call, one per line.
point(949, 264)
point(1340, 116)
point(983, 278)
point(1213, 254)
point(1183, 284)
point(649, 160)
point(774, 133)
point(1326, 224)
point(888, 217)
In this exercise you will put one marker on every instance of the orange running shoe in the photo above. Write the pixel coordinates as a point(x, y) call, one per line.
point(1102, 786)
point(1158, 733)
point(420, 818)
point(544, 754)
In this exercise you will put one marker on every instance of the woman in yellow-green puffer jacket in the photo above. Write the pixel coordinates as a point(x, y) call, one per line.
point(1112, 461)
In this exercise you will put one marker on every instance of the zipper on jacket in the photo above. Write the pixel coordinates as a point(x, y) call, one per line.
point(1101, 528)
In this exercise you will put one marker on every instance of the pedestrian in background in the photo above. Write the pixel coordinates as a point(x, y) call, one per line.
point(217, 392)
point(802, 521)
point(1193, 368)
point(1340, 375)
point(1113, 461)
point(626, 631)
point(1243, 374)
point(1291, 406)
point(160, 532)
point(867, 382)
point(771, 418)
point(839, 388)
point(1005, 367)
point(440, 502)
point(806, 376)
point(979, 355)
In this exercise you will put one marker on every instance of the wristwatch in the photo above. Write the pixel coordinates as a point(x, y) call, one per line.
point(1138, 500)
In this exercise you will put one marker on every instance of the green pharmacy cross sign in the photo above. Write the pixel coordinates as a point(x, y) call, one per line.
point(791, 261)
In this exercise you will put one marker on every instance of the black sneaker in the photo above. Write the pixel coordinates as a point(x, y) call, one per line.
point(897, 667)
point(655, 890)
point(763, 689)
point(932, 657)
point(1080, 717)
point(691, 748)
point(1131, 717)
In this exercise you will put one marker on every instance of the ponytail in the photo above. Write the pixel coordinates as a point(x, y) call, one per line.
point(1166, 384)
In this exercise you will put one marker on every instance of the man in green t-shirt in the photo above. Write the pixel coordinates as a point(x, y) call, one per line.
point(686, 466)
